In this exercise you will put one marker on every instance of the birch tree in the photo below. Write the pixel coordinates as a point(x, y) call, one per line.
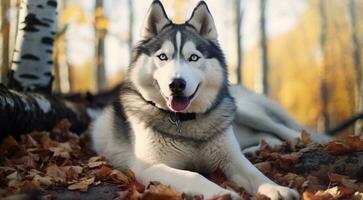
point(263, 86)
point(131, 24)
point(239, 19)
point(357, 64)
point(32, 59)
point(101, 30)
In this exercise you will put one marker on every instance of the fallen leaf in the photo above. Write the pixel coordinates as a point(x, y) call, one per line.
point(103, 173)
point(94, 159)
point(355, 142)
point(305, 137)
point(309, 196)
point(334, 192)
point(265, 167)
point(96, 164)
point(29, 186)
point(55, 172)
point(161, 192)
point(119, 177)
point(82, 185)
point(337, 147)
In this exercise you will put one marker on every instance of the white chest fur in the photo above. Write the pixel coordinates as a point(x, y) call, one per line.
point(152, 148)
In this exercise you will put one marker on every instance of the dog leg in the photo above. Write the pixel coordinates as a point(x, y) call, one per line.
point(183, 181)
point(244, 173)
point(260, 122)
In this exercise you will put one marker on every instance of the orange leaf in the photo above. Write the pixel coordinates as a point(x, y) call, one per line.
point(355, 142)
point(82, 185)
point(162, 192)
point(103, 172)
point(336, 147)
point(305, 137)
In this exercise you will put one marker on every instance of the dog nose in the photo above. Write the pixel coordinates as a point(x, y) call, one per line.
point(177, 85)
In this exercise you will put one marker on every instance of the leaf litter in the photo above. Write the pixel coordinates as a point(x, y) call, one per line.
point(41, 161)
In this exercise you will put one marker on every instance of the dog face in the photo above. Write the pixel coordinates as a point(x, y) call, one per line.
point(179, 67)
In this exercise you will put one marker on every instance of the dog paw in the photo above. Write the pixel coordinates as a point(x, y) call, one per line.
point(276, 192)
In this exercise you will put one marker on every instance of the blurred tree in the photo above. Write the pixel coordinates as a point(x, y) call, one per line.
point(5, 35)
point(62, 81)
point(239, 19)
point(131, 24)
point(262, 78)
point(324, 93)
point(179, 7)
point(32, 62)
point(100, 24)
point(357, 64)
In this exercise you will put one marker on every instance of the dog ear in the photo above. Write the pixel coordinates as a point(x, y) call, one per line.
point(203, 21)
point(155, 20)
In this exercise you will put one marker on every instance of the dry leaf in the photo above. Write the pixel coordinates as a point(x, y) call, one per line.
point(29, 186)
point(55, 172)
point(119, 177)
point(265, 167)
point(336, 148)
point(161, 192)
point(96, 164)
point(94, 159)
point(355, 142)
point(103, 173)
point(305, 137)
point(82, 185)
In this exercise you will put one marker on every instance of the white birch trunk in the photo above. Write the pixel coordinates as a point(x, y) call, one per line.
point(32, 61)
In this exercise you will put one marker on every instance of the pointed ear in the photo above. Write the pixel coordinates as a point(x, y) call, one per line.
point(203, 21)
point(155, 20)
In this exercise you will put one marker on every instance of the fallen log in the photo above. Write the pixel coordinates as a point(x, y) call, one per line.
point(22, 112)
point(320, 164)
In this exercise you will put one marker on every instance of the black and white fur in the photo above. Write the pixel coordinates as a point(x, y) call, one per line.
point(143, 131)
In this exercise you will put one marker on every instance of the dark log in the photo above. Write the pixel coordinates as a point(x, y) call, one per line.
point(347, 123)
point(24, 112)
point(321, 163)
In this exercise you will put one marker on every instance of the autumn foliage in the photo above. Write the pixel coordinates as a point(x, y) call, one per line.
point(42, 162)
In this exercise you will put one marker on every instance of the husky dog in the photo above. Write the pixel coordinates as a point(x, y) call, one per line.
point(175, 114)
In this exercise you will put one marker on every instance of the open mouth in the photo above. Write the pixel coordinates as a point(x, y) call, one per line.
point(178, 103)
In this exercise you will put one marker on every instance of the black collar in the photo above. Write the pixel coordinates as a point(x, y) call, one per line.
point(176, 116)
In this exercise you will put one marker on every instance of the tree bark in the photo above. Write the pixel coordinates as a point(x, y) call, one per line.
point(5, 35)
point(263, 84)
point(100, 46)
point(27, 111)
point(239, 20)
point(321, 164)
point(32, 61)
point(324, 92)
point(358, 84)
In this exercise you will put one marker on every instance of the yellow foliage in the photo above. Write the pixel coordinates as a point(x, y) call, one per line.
point(101, 23)
point(74, 13)
point(297, 65)
point(99, 12)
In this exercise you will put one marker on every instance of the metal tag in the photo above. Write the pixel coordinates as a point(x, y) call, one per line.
point(174, 119)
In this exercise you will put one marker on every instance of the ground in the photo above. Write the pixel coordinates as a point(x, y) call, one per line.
point(61, 165)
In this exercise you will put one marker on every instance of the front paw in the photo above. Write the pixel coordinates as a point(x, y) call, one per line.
point(276, 192)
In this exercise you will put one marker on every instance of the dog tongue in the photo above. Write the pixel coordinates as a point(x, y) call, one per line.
point(178, 103)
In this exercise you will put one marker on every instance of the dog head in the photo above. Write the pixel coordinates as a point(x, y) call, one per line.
point(179, 67)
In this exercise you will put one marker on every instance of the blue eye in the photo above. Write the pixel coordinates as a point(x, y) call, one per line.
point(162, 57)
point(193, 58)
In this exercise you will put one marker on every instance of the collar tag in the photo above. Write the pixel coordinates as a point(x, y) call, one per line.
point(175, 120)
